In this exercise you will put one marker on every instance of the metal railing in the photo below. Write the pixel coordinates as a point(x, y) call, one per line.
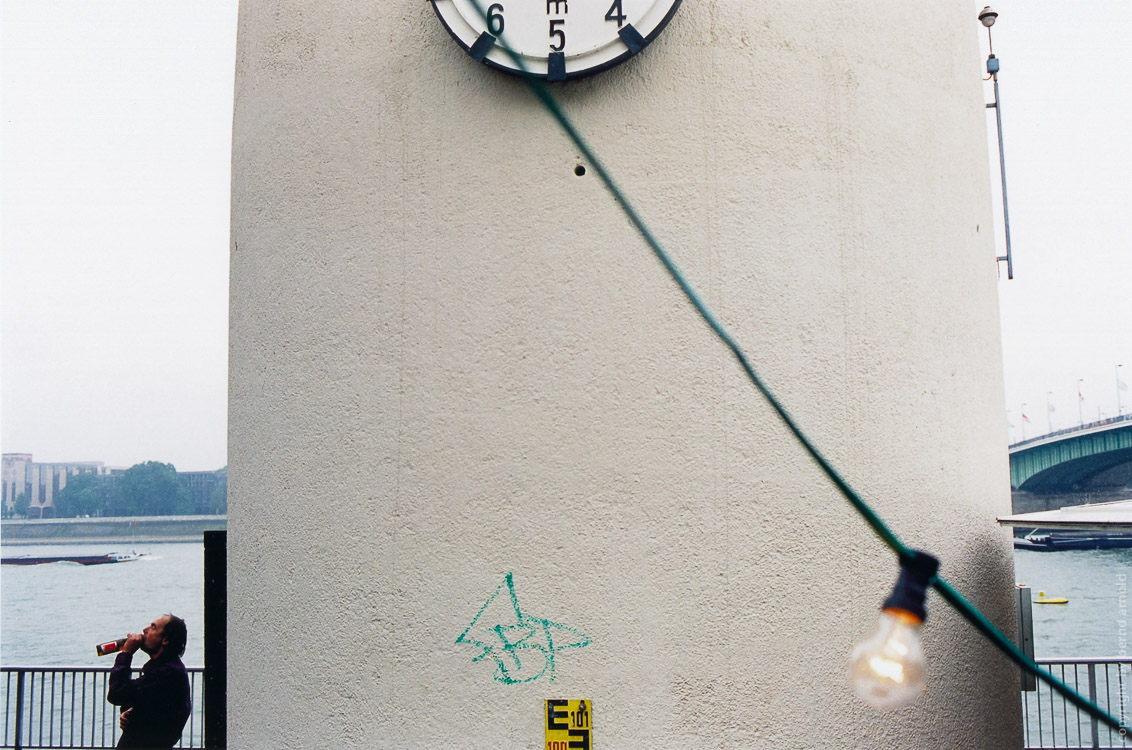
point(1051, 722)
point(65, 707)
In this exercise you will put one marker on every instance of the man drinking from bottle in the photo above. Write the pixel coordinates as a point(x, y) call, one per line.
point(156, 705)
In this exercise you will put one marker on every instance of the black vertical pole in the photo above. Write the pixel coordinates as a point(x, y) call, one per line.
point(20, 709)
point(215, 640)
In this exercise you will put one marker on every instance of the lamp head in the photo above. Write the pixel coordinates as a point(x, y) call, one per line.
point(887, 669)
point(987, 16)
point(916, 573)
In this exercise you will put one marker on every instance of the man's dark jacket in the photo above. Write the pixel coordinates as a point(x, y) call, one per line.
point(160, 699)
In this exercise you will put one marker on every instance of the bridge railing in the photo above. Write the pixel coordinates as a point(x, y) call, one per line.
point(1052, 722)
point(65, 707)
point(1070, 430)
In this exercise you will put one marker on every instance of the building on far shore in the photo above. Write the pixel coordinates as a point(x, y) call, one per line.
point(42, 481)
point(14, 471)
point(208, 489)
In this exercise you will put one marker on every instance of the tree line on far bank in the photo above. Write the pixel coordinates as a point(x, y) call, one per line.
point(147, 489)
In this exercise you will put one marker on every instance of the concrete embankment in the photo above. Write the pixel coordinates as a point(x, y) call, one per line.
point(106, 530)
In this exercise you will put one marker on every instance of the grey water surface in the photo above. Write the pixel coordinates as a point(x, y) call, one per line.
point(54, 614)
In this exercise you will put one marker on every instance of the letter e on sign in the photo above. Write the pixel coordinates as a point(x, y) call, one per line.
point(569, 724)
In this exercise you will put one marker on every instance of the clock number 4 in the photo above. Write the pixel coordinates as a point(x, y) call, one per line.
point(495, 19)
point(616, 14)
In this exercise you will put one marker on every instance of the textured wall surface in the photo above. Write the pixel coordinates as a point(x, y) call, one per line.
point(453, 360)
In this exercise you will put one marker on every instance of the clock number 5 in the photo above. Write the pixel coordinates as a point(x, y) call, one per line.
point(495, 19)
point(559, 33)
point(616, 14)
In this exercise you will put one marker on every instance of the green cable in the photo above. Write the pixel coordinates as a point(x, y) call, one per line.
point(1012, 652)
point(950, 595)
point(874, 521)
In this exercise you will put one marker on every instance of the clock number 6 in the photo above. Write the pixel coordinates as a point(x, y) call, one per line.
point(556, 32)
point(495, 19)
point(616, 14)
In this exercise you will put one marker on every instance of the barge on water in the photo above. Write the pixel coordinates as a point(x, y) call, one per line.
point(1051, 541)
point(112, 557)
point(1075, 527)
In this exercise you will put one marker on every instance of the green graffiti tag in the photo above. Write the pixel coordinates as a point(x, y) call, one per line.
point(524, 648)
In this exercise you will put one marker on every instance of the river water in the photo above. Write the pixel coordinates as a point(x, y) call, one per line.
point(1096, 584)
point(53, 615)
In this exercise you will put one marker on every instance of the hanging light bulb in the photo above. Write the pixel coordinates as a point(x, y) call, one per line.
point(887, 668)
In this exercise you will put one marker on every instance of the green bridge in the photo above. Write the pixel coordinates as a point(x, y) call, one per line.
point(1091, 457)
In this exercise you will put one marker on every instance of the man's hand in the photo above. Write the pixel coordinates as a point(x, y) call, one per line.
point(124, 719)
point(133, 642)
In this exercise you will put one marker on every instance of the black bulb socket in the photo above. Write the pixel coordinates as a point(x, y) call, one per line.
point(917, 569)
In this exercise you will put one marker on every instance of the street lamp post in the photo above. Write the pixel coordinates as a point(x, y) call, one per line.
point(1119, 385)
point(988, 16)
point(1080, 403)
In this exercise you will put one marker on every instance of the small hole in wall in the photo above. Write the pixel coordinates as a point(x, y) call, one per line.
point(579, 170)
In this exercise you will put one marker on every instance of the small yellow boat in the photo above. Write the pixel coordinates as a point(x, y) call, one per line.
point(1043, 599)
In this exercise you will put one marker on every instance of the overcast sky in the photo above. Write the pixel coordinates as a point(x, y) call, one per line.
point(1066, 94)
point(116, 142)
point(114, 202)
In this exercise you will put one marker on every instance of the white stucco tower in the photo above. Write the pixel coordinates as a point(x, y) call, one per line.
point(469, 407)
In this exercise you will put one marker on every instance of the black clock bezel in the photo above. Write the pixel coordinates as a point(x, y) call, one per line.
point(647, 40)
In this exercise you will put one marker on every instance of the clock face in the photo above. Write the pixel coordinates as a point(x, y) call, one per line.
point(556, 39)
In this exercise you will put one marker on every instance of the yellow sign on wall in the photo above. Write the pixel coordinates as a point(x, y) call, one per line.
point(569, 724)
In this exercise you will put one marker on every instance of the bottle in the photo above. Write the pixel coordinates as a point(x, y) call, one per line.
point(103, 649)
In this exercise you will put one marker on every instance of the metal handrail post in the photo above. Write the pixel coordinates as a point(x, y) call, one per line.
point(19, 706)
point(1092, 696)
